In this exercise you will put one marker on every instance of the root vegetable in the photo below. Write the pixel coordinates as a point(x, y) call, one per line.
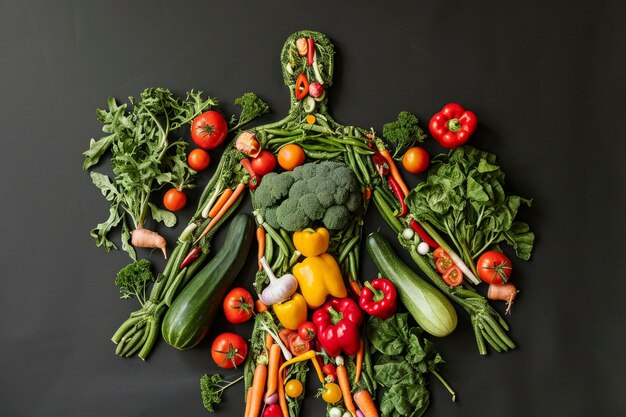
point(503, 292)
point(144, 238)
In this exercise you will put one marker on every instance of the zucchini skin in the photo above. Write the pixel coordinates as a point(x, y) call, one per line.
point(432, 311)
point(189, 318)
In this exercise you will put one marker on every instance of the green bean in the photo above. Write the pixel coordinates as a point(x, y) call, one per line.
point(279, 261)
point(284, 249)
point(361, 166)
point(480, 340)
point(269, 249)
point(492, 342)
point(490, 334)
point(283, 132)
point(134, 344)
point(288, 240)
point(322, 155)
point(491, 323)
point(171, 291)
point(347, 248)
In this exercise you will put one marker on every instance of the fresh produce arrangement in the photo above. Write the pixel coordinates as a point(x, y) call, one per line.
point(367, 340)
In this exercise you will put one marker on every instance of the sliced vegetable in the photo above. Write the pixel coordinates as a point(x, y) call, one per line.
point(302, 87)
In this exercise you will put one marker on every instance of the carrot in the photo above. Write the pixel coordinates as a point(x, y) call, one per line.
point(231, 200)
point(260, 237)
point(356, 288)
point(393, 171)
point(359, 362)
point(367, 194)
point(260, 307)
point(272, 370)
point(504, 292)
point(365, 403)
point(258, 388)
point(310, 119)
point(220, 202)
point(282, 400)
point(144, 238)
point(269, 341)
point(245, 413)
point(344, 384)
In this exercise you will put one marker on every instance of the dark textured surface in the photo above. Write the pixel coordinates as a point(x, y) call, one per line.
point(546, 81)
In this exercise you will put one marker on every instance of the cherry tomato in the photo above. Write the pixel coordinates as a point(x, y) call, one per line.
point(174, 199)
point(229, 350)
point(307, 331)
point(291, 156)
point(438, 253)
point(273, 411)
point(264, 163)
point(332, 393)
point(209, 129)
point(416, 160)
point(238, 305)
point(494, 267)
point(294, 388)
point(199, 159)
point(329, 369)
point(443, 263)
point(453, 276)
point(297, 345)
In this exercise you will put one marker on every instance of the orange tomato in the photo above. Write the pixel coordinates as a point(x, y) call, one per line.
point(416, 160)
point(199, 159)
point(174, 199)
point(290, 156)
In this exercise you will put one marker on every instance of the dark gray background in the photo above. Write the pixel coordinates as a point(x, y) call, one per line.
point(545, 79)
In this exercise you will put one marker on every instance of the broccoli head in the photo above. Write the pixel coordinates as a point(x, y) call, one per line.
point(325, 192)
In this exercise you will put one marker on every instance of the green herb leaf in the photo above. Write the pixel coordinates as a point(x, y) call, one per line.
point(394, 373)
point(167, 217)
point(388, 336)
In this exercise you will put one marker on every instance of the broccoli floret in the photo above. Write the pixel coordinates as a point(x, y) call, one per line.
point(270, 217)
point(290, 216)
point(299, 189)
point(355, 200)
point(324, 169)
point(251, 107)
point(404, 132)
point(344, 177)
point(341, 195)
point(312, 207)
point(336, 217)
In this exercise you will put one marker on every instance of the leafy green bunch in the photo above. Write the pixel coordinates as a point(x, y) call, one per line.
point(325, 191)
point(464, 197)
point(403, 133)
point(403, 361)
point(144, 158)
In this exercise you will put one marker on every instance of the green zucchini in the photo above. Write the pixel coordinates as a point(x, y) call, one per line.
point(188, 319)
point(432, 311)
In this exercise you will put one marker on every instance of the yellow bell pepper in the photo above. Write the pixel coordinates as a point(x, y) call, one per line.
point(311, 242)
point(319, 277)
point(291, 313)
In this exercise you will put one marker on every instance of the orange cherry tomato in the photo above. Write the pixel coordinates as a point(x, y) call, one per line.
point(174, 199)
point(199, 159)
point(332, 393)
point(294, 388)
point(290, 156)
point(416, 160)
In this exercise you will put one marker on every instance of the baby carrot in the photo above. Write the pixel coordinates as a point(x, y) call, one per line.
point(220, 202)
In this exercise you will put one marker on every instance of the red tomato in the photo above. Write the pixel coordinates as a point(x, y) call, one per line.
point(494, 267)
point(209, 129)
point(297, 345)
point(307, 331)
point(238, 305)
point(272, 411)
point(329, 369)
point(199, 159)
point(229, 350)
point(438, 253)
point(443, 263)
point(174, 199)
point(264, 163)
point(416, 160)
point(453, 276)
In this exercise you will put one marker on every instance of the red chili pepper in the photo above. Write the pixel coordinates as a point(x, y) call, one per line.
point(378, 298)
point(423, 234)
point(380, 163)
point(255, 179)
point(397, 191)
point(302, 87)
point(329, 369)
point(191, 257)
point(452, 126)
point(338, 323)
point(310, 51)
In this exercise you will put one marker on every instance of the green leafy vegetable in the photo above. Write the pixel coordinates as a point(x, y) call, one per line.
point(251, 107)
point(403, 133)
point(464, 197)
point(404, 358)
point(212, 387)
point(133, 279)
point(144, 158)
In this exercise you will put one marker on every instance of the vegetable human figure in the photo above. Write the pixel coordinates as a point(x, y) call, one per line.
point(307, 61)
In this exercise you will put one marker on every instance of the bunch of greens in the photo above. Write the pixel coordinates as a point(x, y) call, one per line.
point(144, 158)
point(212, 387)
point(464, 197)
point(403, 361)
point(134, 279)
point(403, 133)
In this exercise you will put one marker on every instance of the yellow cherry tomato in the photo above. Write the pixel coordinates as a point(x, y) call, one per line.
point(332, 393)
point(294, 388)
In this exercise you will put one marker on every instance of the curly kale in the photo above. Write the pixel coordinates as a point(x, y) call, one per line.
point(133, 279)
point(403, 133)
point(326, 192)
point(251, 108)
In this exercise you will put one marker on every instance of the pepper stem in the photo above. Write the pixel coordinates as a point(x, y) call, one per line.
point(378, 294)
point(454, 125)
point(335, 316)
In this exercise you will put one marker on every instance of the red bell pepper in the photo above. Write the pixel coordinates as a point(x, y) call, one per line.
point(310, 51)
point(302, 87)
point(338, 322)
point(452, 126)
point(378, 298)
